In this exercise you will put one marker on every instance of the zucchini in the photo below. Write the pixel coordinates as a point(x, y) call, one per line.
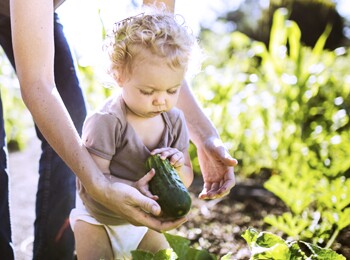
point(173, 197)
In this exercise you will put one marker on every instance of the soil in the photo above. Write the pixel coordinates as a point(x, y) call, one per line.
point(214, 225)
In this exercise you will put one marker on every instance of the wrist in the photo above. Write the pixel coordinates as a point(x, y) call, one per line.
point(205, 138)
point(99, 188)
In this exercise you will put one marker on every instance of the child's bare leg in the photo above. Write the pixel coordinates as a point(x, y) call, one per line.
point(153, 242)
point(91, 242)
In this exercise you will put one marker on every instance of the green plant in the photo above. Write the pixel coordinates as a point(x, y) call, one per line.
point(263, 245)
point(266, 245)
point(315, 161)
point(17, 118)
point(180, 249)
point(284, 108)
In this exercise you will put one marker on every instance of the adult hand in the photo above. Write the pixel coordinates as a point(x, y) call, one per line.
point(138, 209)
point(217, 169)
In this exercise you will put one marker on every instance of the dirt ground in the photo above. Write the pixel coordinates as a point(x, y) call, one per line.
point(23, 167)
point(213, 225)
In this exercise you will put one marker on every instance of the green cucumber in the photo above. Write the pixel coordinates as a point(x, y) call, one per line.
point(173, 197)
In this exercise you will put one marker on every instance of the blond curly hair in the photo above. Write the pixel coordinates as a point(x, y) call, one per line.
point(159, 33)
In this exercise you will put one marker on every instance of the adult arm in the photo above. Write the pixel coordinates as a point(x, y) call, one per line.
point(33, 45)
point(169, 4)
point(215, 161)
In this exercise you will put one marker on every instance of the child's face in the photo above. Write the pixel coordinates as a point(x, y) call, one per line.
point(152, 88)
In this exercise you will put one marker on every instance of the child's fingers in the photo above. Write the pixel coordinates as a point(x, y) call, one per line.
point(167, 153)
point(148, 194)
point(143, 184)
point(160, 150)
point(177, 159)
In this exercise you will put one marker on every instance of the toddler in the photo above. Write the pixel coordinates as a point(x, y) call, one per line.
point(149, 55)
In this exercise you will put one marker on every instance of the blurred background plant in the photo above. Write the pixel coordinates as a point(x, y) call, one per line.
point(276, 84)
point(282, 108)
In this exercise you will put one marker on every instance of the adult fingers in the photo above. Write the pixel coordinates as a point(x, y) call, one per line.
point(204, 193)
point(225, 156)
point(171, 224)
point(143, 218)
point(227, 185)
point(218, 190)
point(212, 192)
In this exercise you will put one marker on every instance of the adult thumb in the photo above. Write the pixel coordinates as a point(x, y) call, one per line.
point(226, 158)
point(149, 205)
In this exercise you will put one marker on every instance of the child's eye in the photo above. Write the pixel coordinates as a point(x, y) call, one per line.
point(148, 93)
point(172, 92)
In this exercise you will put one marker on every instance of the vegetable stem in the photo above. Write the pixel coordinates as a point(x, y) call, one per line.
point(331, 240)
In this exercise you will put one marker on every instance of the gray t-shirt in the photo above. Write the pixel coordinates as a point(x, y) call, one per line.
point(5, 6)
point(107, 134)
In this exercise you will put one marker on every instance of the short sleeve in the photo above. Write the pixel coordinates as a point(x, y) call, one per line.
point(180, 133)
point(101, 134)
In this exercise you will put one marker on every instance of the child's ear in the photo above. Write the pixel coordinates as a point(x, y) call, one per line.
point(119, 78)
point(119, 81)
point(118, 75)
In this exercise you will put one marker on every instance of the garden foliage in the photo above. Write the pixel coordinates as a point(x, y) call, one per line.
point(263, 245)
point(266, 245)
point(285, 108)
point(180, 249)
point(15, 114)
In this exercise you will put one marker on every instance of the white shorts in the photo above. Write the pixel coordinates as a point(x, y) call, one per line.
point(123, 238)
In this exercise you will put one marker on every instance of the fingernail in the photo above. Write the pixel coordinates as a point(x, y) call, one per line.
point(154, 210)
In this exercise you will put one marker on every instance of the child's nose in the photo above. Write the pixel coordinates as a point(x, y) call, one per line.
point(159, 101)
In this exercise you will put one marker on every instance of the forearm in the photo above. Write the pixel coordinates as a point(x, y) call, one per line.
point(54, 122)
point(169, 4)
point(33, 46)
point(186, 175)
point(199, 125)
point(114, 179)
point(185, 171)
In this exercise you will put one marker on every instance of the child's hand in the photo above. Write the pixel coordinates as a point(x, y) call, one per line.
point(142, 185)
point(176, 157)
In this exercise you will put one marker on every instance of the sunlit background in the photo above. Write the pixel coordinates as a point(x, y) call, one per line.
point(83, 19)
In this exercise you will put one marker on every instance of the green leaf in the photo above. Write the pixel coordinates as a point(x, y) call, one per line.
point(334, 194)
point(165, 254)
point(277, 252)
point(266, 245)
point(179, 244)
point(268, 239)
point(295, 251)
point(300, 191)
point(290, 224)
point(319, 46)
point(181, 247)
point(141, 255)
point(322, 253)
point(294, 36)
point(344, 219)
point(250, 235)
point(278, 31)
point(227, 257)
point(195, 254)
